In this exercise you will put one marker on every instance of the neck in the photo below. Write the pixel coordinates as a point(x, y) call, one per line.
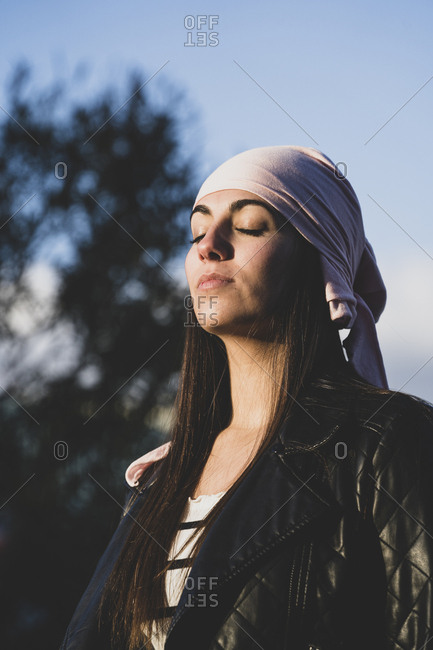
point(252, 381)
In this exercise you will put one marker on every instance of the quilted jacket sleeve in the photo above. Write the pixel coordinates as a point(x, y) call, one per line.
point(402, 511)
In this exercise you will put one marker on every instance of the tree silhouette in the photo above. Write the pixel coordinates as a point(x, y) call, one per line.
point(94, 201)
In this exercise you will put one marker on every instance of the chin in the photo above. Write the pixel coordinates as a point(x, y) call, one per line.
point(226, 327)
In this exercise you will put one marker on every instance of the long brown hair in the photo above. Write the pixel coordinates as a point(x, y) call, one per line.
point(134, 594)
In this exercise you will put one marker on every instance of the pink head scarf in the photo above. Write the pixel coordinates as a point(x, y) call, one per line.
point(307, 188)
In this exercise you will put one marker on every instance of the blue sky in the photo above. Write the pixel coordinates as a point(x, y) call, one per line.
point(323, 74)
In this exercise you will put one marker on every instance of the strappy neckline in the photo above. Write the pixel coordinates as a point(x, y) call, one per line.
point(205, 497)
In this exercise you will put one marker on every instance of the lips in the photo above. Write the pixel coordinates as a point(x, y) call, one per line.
point(213, 276)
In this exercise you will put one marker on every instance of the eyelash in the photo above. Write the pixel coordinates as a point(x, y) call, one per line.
point(253, 233)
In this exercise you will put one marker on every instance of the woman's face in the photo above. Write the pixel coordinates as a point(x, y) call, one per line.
point(247, 245)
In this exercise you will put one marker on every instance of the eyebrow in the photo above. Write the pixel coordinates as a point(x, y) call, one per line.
point(235, 206)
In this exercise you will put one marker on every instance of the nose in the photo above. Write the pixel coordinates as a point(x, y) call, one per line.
point(213, 245)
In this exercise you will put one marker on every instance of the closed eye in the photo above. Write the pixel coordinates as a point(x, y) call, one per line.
point(253, 233)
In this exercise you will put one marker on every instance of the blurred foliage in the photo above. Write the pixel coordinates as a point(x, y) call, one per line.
point(94, 198)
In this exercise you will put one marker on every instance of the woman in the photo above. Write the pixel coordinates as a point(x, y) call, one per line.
point(306, 484)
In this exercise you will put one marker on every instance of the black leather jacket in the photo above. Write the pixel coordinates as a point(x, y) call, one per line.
point(328, 548)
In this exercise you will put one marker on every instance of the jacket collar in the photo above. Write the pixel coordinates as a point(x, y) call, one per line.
point(313, 420)
point(278, 499)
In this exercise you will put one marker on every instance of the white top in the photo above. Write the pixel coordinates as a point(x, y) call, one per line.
point(176, 576)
